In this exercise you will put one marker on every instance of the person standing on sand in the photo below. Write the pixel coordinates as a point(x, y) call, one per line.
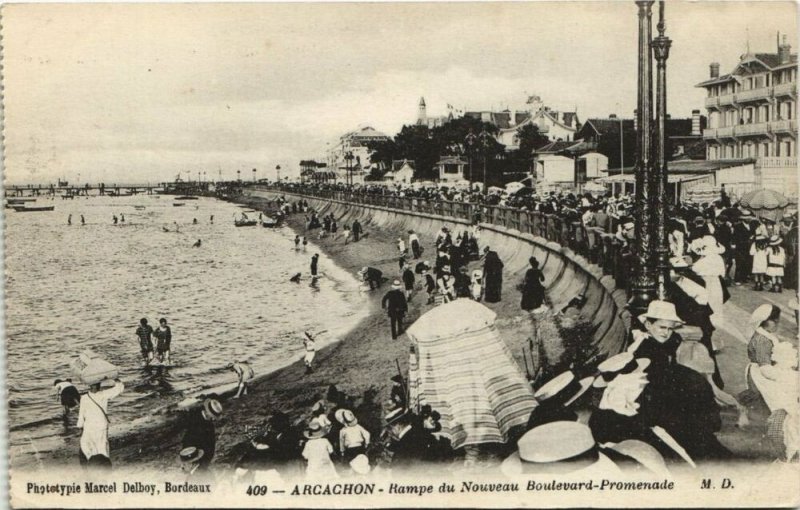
point(356, 231)
point(164, 336)
point(492, 276)
point(408, 280)
point(396, 307)
point(305, 243)
point(211, 220)
point(314, 263)
point(93, 419)
point(245, 373)
point(201, 431)
point(69, 220)
point(145, 334)
point(311, 350)
point(83, 220)
point(296, 242)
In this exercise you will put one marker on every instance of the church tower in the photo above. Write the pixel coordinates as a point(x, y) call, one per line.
point(422, 116)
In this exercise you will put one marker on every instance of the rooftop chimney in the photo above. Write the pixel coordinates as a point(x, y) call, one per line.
point(696, 123)
point(784, 51)
point(714, 68)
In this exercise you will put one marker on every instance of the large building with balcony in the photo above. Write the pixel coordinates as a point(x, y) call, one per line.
point(752, 114)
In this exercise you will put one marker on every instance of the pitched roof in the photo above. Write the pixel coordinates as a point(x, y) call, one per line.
point(608, 126)
point(557, 146)
point(451, 160)
point(397, 164)
point(770, 60)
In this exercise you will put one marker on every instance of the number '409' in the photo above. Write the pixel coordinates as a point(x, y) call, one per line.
point(256, 490)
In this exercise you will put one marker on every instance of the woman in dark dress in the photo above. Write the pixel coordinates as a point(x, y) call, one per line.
point(492, 276)
point(532, 288)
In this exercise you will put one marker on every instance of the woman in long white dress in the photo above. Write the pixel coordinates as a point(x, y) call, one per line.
point(711, 267)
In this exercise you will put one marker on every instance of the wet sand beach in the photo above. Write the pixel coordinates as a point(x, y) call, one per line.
point(360, 364)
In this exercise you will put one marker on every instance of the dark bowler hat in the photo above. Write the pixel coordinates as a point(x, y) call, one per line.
point(191, 454)
point(212, 408)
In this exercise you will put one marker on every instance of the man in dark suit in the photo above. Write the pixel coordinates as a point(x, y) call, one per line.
point(201, 432)
point(356, 230)
point(394, 302)
point(409, 444)
point(740, 244)
point(374, 277)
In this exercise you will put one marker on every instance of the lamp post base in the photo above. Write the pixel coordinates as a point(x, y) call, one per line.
point(640, 299)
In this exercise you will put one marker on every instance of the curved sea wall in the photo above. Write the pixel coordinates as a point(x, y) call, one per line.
point(567, 274)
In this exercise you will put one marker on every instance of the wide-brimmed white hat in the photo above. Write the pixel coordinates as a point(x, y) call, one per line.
point(360, 464)
point(314, 430)
point(622, 363)
point(191, 454)
point(710, 245)
point(660, 310)
point(761, 314)
point(396, 284)
point(775, 240)
point(346, 417)
point(555, 447)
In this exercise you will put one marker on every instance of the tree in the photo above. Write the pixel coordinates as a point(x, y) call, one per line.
point(531, 139)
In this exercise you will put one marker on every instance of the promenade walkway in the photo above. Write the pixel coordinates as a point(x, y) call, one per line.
point(600, 248)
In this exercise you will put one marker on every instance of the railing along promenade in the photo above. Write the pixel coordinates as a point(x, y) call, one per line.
point(596, 244)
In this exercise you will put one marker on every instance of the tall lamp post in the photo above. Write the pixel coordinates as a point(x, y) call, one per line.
point(469, 142)
point(484, 138)
point(661, 45)
point(650, 176)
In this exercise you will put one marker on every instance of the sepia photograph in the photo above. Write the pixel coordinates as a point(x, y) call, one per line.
point(424, 254)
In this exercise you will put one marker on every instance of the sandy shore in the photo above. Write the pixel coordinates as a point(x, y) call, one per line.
point(360, 365)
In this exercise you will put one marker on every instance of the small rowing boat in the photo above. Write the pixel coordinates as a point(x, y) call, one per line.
point(178, 204)
point(185, 197)
point(270, 223)
point(245, 223)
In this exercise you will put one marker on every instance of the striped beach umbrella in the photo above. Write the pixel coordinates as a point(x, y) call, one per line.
point(464, 370)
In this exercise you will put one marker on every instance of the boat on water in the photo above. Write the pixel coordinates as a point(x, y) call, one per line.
point(22, 208)
point(138, 207)
point(178, 204)
point(19, 200)
point(245, 223)
point(186, 197)
point(270, 223)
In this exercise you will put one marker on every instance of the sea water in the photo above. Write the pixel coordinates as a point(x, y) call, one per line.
point(75, 287)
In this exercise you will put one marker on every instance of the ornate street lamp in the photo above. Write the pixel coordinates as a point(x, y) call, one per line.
point(651, 250)
point(348, 157)
point(661, 45)
point(484, 139)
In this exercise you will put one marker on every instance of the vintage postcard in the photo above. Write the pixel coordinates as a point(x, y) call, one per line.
point(524, 254)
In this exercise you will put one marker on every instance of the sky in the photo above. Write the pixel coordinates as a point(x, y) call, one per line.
point(141, 92)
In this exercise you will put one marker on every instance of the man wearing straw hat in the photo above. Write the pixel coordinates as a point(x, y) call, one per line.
point(394, 302)
point(93, 419)
point(201, 431)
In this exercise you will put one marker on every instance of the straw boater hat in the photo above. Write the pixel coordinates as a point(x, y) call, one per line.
point(314, 430)
point(679, 262)
point(775, 240)
point(623, 363)
point(213, 408)
point(363, 270)
point(557, 447)
point(660, 310)
point(346, 417)
point(191, 454)
point(396, 284)
point(563, 387)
